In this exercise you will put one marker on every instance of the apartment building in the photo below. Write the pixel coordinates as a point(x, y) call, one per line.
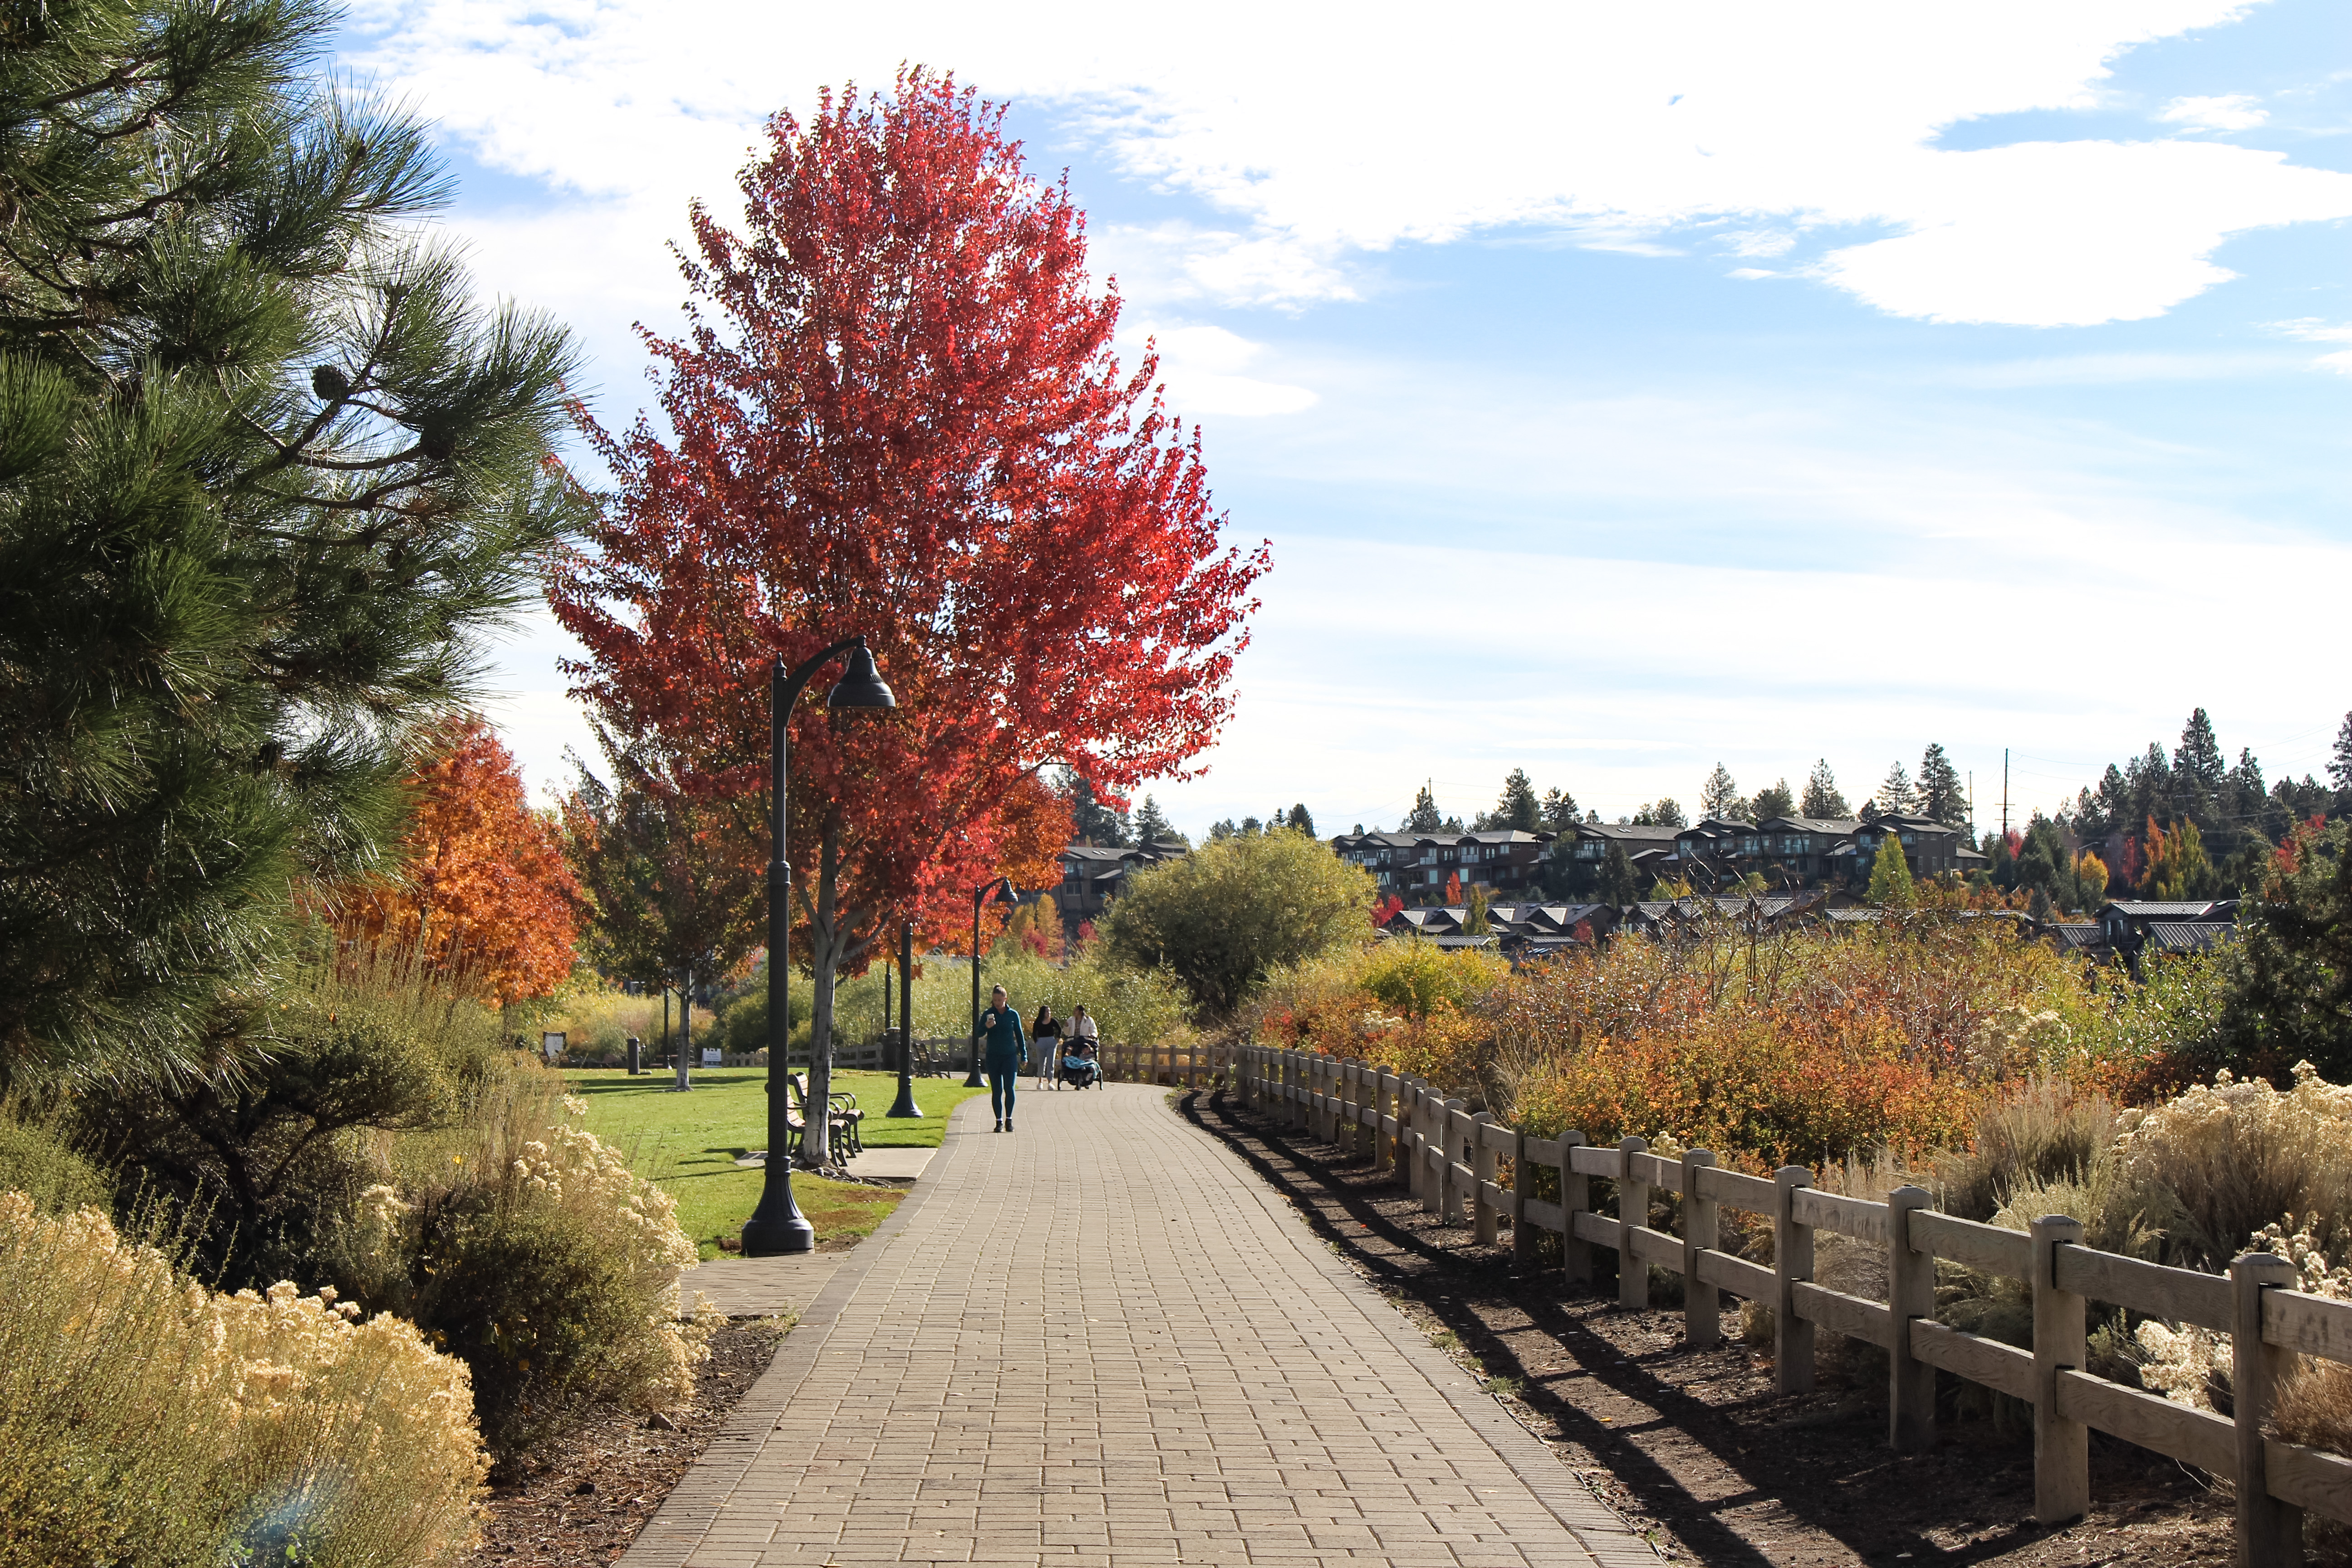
point(1417, 865)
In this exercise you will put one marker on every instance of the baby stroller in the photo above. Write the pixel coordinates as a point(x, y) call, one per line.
point(1080, 1069)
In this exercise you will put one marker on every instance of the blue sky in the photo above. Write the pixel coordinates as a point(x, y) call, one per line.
point(1622, 389)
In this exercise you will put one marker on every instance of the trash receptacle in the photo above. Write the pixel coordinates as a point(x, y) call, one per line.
point(636, 1056)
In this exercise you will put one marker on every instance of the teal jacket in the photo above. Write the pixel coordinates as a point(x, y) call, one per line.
point(1006, 1041)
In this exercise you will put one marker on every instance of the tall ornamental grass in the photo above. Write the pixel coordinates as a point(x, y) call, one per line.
point(148, 1420)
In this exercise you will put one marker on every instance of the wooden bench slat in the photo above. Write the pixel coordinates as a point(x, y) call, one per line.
point(2310, 1479)
point(2196, 1437)
point(1974, 1357)
point(2008, 1253)
point(2176, 1295)
point(1856, 1217)
point(1840, 1313)
point(1735, 1274)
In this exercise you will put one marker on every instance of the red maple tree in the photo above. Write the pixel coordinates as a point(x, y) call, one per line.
point(897, 413)
point(483, 894)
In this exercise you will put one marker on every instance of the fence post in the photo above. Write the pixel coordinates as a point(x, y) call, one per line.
point(1575, 1198)
point(1632, 1211)
point(1701, 1308)
point(1383, 1097)
point(2061, 1449)
point(1793, 1261)
point(1326, 1119)
point(1408, 1093)
point(1910, 1293)
point(1449, 1119)
point(2269, 1531)
point(1482, 1170)
point(1523, 1187)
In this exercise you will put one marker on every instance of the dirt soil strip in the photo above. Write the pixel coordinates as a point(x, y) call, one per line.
point(583, 1501)
point(1695, 1447)
point(611, 1490)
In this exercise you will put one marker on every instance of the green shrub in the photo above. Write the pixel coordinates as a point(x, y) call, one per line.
point(37, 1160)
point(262, 1152)
point(525, 1246)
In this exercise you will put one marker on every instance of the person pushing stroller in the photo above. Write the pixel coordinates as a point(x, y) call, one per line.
point(1081, 1064)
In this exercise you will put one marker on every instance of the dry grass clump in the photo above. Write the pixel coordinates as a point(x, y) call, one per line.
point(2040, 1132)
point(2236, 1156)
point(147, 1419)
point(525, 1246)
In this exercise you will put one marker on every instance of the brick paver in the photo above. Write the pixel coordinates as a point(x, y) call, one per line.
point(1102, 1339)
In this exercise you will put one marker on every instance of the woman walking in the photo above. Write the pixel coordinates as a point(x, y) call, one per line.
point(1046, 1032)
point(1008, 1052)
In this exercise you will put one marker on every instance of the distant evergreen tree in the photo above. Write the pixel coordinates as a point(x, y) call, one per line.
point(1518, 807)
point(269, 483)
point(2339, 766)
point(1221, 831)
point(1663, 812)
point(1897, 795)
point(1775, 800)
point(1719, 796)
point(1152, 827)
point(2199, 760)
point(1251, 827)
point(1821, 798)
point(1096, 823)
point(1560, 810)
point(1942, 794)
point(1425, 817)
point(2149, 779)
point(1618, 883)
point(1301, 820)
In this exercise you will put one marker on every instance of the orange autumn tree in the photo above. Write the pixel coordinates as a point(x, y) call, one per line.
point(482, 890)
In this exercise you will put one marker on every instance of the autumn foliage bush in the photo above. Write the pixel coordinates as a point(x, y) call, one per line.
point(148, 1420)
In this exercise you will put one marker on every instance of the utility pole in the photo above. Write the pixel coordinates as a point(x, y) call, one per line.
point(2004, 794)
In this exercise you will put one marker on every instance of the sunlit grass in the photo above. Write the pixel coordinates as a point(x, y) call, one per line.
point(689, 1143)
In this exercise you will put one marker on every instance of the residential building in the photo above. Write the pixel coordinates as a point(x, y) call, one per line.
point(1418, 865)
point(1931, 847)
point(1091, 875)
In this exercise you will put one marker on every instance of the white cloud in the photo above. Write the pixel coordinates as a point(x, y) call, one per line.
point(2316, 331)
point(1201, 366)
point(1620, 124)
point(2232, 112)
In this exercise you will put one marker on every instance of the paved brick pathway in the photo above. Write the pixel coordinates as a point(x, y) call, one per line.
point(1103, 1340)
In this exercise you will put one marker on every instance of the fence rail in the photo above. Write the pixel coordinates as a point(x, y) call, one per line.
point(1473, 1169)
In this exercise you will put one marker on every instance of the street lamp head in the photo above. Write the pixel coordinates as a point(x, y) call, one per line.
point(861, 689)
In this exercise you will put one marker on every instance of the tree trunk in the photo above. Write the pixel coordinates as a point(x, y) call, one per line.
point(833, 940)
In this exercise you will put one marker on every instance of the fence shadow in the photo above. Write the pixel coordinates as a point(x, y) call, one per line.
point(1449, 1279)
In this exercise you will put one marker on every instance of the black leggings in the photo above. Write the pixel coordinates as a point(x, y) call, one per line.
point(1000, 1090)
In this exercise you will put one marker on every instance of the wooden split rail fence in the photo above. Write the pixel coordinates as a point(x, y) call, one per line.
point(1186, 1065)
point(1458, 1164)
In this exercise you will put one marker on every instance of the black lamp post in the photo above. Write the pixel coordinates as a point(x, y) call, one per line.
point(980, 896)
point(905, 1104)
point(777, 1224)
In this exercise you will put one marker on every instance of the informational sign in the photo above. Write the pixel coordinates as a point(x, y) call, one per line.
point(552, 1045)
point(710, 1056)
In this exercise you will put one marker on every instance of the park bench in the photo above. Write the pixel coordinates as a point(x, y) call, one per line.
point(841, 1120)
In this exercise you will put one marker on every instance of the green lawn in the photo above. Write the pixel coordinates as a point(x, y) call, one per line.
point(689, 1143)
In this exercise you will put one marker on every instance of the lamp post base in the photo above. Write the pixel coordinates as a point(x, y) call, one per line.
point(777, 1226)
point(905, 1106)
point(971, 1079)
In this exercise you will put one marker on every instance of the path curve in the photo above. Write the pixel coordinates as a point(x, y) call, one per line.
point(1101, 1340)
